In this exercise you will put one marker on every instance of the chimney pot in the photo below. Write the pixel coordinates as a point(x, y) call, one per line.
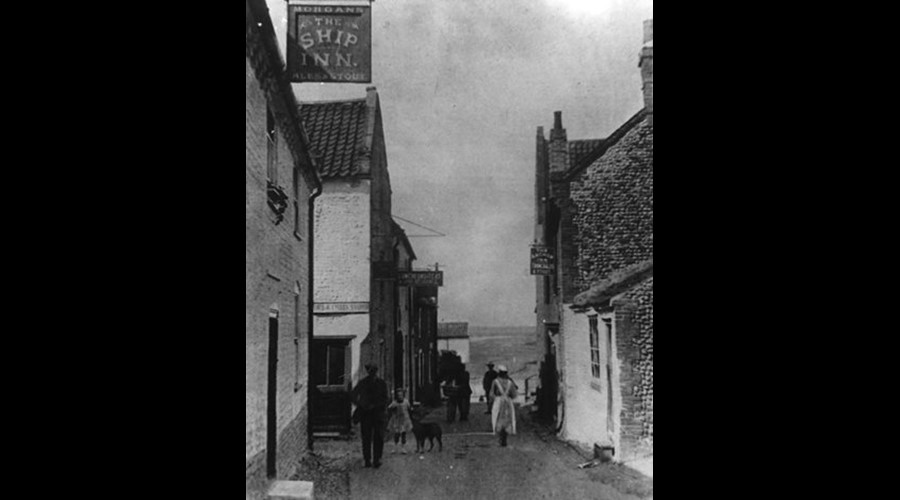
point(646, 65)
point(557, 120)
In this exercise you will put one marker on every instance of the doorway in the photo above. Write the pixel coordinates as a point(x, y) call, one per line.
point(272, 391)
point(330, 387)
point(610, 423)
point(398, 359)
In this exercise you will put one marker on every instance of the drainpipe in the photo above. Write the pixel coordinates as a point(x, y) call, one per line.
point(317, 190)
point(395, 294)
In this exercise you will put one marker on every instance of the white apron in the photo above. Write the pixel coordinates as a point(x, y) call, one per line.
point(503, 413)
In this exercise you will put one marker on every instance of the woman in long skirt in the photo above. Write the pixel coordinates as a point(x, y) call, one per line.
point(503, 414)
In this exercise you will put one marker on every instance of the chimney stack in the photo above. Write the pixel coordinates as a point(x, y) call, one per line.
point(557, 132)
point(646, 65)
point(559, 146)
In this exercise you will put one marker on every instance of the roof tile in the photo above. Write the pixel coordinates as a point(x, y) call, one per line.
point(337, 133)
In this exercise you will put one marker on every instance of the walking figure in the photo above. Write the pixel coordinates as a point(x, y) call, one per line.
point(451, 391)
point(486, 384)
point(371, 398)
point(399, 422)
point(503, 415)
point(464, 393)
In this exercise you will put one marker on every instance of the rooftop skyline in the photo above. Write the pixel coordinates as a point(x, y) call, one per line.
point(463, 87)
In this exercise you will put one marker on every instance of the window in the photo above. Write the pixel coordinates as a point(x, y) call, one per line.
point(607, 322)
point(272, 148)
point(595, 346)
point(296, 185)
point(328, 364)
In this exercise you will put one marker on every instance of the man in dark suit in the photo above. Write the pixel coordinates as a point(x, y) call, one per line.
point(486, 383)
point(371, 399)
point(464, 393)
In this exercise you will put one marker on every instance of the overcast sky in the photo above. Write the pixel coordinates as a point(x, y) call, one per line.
point(464, 84)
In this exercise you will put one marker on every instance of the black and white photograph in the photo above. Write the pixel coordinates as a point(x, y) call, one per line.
point(449, 249)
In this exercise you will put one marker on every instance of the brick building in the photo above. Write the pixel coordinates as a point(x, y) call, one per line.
point(281, 184)
point(356, 251)
point(403, 298)
point(424, 347)
point(415, 343)
point(594, 209)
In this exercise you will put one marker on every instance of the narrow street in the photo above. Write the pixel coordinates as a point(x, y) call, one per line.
point(472, 465)
point(409, 239)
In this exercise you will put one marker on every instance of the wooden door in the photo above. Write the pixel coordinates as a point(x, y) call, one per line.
point(610, 422)
point(330, 395)
point(271, 393)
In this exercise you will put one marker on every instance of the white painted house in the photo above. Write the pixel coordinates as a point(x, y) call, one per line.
point(354, 255)
point(454, 337)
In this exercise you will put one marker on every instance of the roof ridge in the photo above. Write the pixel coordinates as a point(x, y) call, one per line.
point(614, 283)
point(610, 141)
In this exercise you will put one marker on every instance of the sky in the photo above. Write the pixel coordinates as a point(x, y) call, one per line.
point(463, 86)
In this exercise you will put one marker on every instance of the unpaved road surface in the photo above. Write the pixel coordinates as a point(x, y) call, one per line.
point(472, 465)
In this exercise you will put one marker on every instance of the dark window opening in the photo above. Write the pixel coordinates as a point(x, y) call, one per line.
point(328, 364)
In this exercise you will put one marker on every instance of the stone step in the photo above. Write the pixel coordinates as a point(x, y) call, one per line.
point(290, 490)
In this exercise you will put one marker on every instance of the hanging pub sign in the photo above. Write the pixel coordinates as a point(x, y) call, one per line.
point(420, 278)
point(330, 41)
point(541, 260)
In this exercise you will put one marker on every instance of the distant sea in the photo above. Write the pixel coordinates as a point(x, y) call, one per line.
point(513, 346)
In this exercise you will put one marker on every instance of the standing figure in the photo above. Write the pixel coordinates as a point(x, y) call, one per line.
point(451, 390)
point(487, 382)
point(503, 416)
point(399, 422)
point(371, 398)
point(464, 393)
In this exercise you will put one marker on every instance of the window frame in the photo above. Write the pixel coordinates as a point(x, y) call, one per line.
point(298, 228)
point(594, 343)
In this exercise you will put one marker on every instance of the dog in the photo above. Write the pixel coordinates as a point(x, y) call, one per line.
point(427, 430)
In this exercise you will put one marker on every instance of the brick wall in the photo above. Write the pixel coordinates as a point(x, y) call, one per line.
point(567, 238)
point(613, 208)
point(276, 267)
point(634, 344)
point(383, 325)
point(607, 224)
point(643, 365)
point(342, 250)
point(342, 242)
